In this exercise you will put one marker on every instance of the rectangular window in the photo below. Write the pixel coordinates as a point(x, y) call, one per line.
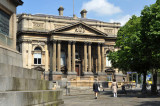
point(37, 58)
point(4, 23)
point(108, 62)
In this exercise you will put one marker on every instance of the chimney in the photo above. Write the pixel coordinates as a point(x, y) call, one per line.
point(83, 13)
point(60, 11)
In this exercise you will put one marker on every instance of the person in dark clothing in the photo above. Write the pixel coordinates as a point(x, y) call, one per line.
point(96, 88)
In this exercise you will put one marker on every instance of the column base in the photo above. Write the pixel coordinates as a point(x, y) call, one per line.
point(56, 73)
point(101, 73)
point(72, 73)
point(88, 73)
point(51, 75)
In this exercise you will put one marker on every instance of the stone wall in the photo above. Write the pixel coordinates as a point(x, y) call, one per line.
point(24, 87)
point(10, 56)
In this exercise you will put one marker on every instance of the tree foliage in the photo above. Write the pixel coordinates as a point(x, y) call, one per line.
point(129, 57)
point(139, 42)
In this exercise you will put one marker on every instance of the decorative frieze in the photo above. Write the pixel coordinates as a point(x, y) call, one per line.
point(80, 29)
point(38, 25)
point(108, 30)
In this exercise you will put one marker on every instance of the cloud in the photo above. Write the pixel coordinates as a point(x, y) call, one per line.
point(122, 20)
point(101, 7)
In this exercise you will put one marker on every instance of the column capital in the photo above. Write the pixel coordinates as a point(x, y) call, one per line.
point(54, 41)
point(99, 43)
point(103, 44)
point(59, 41)
point(73, 42)
point(69, 42)
point(85, 43)
point(89, 43)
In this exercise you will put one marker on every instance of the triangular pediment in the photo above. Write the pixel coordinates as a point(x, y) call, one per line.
point(80, 28)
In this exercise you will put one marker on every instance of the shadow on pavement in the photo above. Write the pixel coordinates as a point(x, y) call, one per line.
point(149, 103)
point(130, 93)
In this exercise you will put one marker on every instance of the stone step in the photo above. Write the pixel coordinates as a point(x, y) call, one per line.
point(77, 91)
point(10, 57)
point(18, 72)
point(31, 98)
point(22, 84)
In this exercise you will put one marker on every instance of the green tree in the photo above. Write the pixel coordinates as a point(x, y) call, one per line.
point(139, 44)
point(130, 57)
point(150, 36)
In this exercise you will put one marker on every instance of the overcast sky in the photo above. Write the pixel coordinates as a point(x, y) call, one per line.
point(104, 10)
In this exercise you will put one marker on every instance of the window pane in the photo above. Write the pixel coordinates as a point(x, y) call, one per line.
point(4, 23)
point(37, 55)
point(35, 60)
point(63, 59)
point(108, 62)
point(77, 56)
point(39, 60)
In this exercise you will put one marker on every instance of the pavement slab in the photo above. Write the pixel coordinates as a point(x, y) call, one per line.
point(106, 98)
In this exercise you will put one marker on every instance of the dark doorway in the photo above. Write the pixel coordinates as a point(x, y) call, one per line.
point(78, 70)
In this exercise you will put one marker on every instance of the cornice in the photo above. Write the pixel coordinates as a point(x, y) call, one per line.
point(92, 23)
point(32, 32)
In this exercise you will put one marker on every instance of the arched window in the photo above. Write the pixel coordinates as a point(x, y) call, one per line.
point(108, 62)
point(37, 55)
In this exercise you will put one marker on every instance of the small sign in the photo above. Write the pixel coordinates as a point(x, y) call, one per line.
point(131, 72)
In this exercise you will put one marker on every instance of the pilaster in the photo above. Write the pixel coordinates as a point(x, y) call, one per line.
point(69, 57)
point(85, 57)
point(59, 56)
point(54, 56)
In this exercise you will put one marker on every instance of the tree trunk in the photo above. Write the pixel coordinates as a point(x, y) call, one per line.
point(154, 85)
point(144, 90)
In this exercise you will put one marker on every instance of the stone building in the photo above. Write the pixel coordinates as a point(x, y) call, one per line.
point(66, 47)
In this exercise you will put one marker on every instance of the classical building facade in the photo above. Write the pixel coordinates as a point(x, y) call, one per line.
point(66, 46)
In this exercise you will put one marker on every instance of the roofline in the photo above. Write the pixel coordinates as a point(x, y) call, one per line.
point(69, 18)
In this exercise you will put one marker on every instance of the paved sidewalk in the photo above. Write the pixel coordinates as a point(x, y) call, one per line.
point(133, 98)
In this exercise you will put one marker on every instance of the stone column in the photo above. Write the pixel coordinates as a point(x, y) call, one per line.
point(46, 57)
point(85, 57)
point(59, 56)
point(89, 57)
point(69, 57)
point(99, 57)
point(73, 57)
point(30, 54)
point(54, 56)
point(103, 64)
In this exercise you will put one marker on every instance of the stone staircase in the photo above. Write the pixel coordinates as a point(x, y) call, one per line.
point(24, 87)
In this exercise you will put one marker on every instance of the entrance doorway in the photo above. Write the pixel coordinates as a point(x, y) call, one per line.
point(78, 70)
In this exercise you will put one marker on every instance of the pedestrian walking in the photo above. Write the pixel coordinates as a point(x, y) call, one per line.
point(96, 88)
point(114, 87)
